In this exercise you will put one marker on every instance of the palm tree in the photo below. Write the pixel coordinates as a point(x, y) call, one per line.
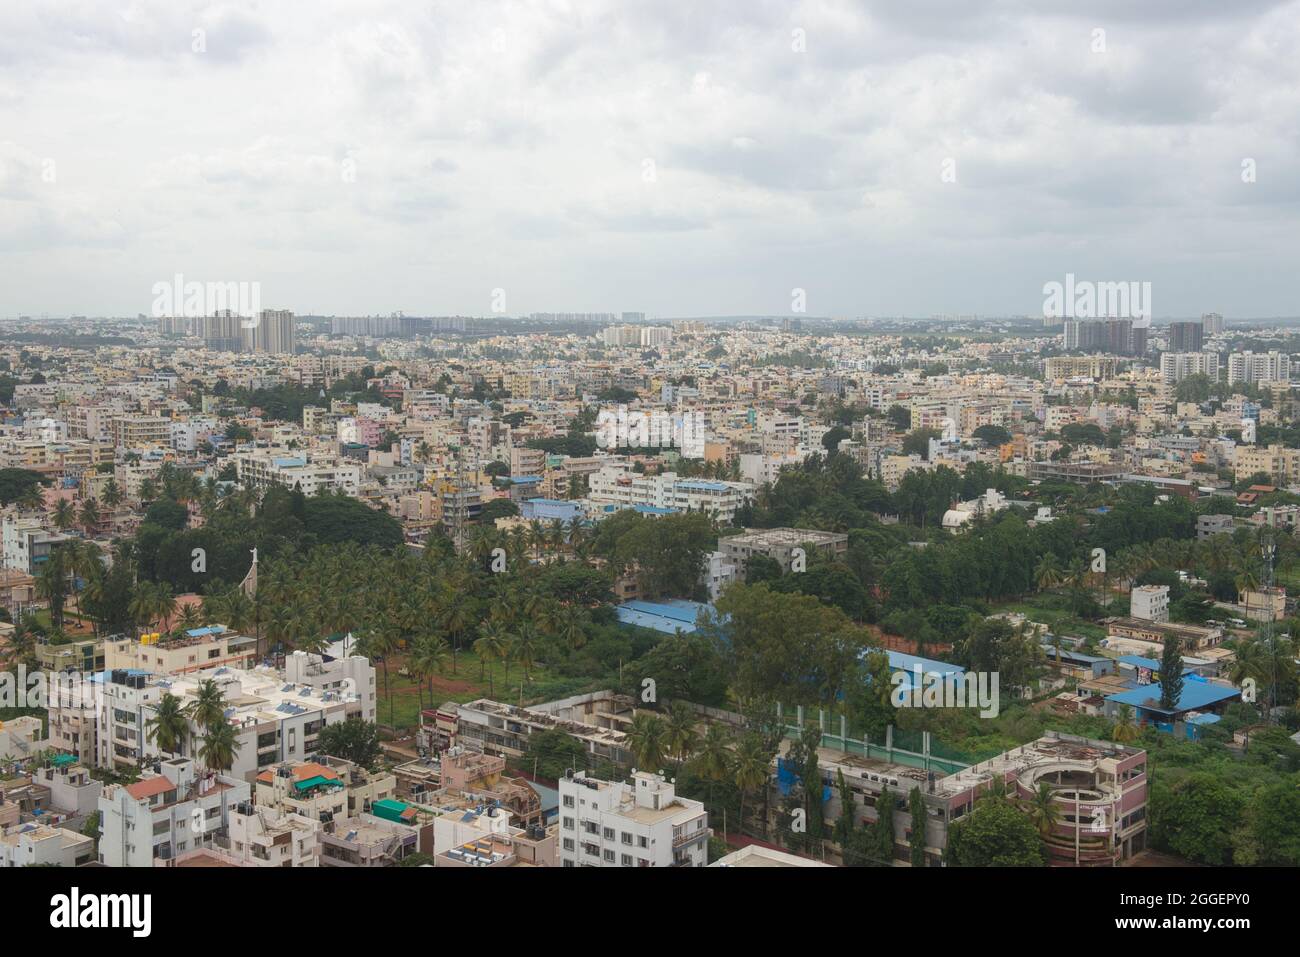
point(1125, 731)
point(523, 648)
point(89, 516)
point(493, 644)
point(169, 727)
point(1048, 572)
point(64, 515)
point(646, 739)
point(714, 754)
point(190, 617)
point(208, 709)
point(680, 735)
point(750, 767)
point(52, 584)
point(112, 494)
point(428, 657)
point(1043, 809)
point(220, 745)
point(571, 626)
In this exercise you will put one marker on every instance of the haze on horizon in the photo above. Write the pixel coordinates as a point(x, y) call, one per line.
point(677, 159)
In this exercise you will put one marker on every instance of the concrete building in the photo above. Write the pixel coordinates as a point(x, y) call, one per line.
point(779, 544)
point(38, 845)
point(174, 809)
point(637, 824)
point(1150, 602)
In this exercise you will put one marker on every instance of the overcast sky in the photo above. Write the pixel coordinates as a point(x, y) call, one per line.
point(678, 157)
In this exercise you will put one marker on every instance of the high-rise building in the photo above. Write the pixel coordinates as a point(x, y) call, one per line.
point(1177, 366)
point(1253, 367)
point(1185, 336)
point(1212, 324)
point(1115, 336)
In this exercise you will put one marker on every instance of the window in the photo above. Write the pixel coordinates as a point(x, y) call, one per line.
point(609, 834)
point(568, 824)
point(626, 861)
point(568, 843)
point(568, 800)
point(609, 856)
point(627, 838)
point(642, 841)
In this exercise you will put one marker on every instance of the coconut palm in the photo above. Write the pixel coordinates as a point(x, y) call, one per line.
point(647, 740)
point(429, 657)
point(493, 644)
point(680, 735)
point(1043, 809)
point(523, 647)
point(169, 727)
point(750, 767)
point(1125, 730)
point(64, 515)
point(208, 709)
point(1048, 572)
point(220, 745)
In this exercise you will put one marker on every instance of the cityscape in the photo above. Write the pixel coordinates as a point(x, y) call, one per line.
point(381, 504)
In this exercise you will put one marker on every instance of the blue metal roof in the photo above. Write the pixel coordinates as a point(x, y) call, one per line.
point(1195, 695)
point(672, 615)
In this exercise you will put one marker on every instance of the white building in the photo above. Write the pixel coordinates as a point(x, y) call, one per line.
point(642, 824)
point(1150, 602)
point(1177, 366)
point(618, 484)
point(36, 845)
point(165, 814)
point(262, 469)
point(1252, 367)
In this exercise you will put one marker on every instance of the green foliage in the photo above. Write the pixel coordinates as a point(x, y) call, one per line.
point(994, 834)
point(354, 739)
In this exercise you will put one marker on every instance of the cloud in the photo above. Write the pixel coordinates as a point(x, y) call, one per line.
point(380, 155)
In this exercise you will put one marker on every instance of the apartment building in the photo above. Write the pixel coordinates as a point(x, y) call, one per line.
point(27, 542)
point(39, 845)
point(618, 484)
point(1280, 464)
point(263, 469)
point(780, 543)
point(173, 809)
point(1256, 367)
point(1177, 366)
point(142, 431)
point(638, 824)
point(1149, 602)
point(263, 837)
point(197, 649)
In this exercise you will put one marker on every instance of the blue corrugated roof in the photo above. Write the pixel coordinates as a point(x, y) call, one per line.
point(1195, 695)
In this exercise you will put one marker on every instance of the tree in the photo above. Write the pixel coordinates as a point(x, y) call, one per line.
point(1196, 818)
point(883, 831)
point(354, 739)
point(750, 767)
point(220, 745)
point(680, 736)
point(1043, 809)
point(553, 751)
point(995, 834)
point(208, 708)
point(15, 484)
point(916, 842)
point(1125, 730)
point(169, 726)
point(1171, 673)
point(647, 740)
